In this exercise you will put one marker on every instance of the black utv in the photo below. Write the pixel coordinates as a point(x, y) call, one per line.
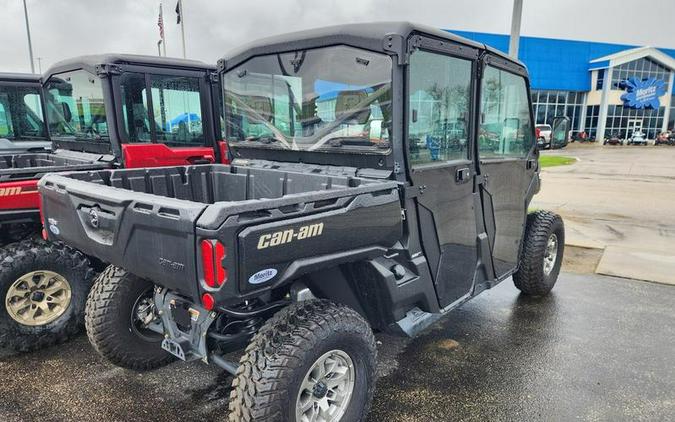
point(352, 205)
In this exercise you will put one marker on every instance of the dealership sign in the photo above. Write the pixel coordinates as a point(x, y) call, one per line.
point(643, 93)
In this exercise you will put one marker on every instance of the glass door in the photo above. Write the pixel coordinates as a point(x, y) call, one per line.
point(634, 125)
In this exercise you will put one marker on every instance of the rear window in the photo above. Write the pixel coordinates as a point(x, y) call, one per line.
point(543, 127)
point(76, 107)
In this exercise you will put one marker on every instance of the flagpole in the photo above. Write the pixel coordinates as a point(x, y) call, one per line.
point(160, 24)
point(182, 25)
point(161, 14)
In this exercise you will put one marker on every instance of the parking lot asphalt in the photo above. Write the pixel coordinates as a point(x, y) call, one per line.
point(620, 199)
point(598, 348)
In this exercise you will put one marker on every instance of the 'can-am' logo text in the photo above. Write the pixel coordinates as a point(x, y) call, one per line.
point(289, 235)
point(10, 191)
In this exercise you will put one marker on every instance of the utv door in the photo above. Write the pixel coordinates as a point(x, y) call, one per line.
point(171, 126)
point(439, 107)
point(507, 159)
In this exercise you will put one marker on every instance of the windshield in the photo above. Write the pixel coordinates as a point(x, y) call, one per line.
point(76, 107)
point(325, 99)
point(21, 115)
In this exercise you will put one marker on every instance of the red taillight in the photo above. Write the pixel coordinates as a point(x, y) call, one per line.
point(207, 263)
point(221, 273)
point(212, 263)
point(208, 301)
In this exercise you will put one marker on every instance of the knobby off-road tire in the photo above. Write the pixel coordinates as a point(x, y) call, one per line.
point(43, 288)
point(278, 360)
point(110, 325)
point(542, 254)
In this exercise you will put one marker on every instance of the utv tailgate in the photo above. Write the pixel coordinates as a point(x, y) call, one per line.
point(146, 233)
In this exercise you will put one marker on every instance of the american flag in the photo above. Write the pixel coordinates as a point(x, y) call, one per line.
point(160, 23)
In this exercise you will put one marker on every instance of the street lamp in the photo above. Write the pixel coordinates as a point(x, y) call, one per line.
point(30, 44)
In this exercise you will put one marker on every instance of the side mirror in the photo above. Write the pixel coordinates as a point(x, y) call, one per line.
point(560, 130)
point(67, 114)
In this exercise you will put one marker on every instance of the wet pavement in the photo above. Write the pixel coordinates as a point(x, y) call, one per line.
point(598, 348)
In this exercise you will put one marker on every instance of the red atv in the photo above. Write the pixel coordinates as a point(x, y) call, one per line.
point(103, 111)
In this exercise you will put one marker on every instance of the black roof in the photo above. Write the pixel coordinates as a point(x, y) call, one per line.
point(19, 77)
point(364, 35)
point(90, 62)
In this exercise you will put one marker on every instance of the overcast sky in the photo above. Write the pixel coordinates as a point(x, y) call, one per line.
point(66, 28)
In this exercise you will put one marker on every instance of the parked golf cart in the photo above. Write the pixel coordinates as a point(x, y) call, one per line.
point(103, 112)
point(319, 232)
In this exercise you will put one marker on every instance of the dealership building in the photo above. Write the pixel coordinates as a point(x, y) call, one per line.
point(603, 88)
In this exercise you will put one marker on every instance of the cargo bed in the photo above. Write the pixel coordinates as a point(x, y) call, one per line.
point(151, 221)
point(25, 166)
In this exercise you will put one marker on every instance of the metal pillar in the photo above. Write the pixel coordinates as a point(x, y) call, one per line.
point(602, 114)
point(666, 112)
point(514, 41)
point(30, 44)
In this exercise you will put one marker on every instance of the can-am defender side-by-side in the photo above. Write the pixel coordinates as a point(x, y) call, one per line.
point(103, 111)
point(381, 177)
point(22, 131)
point(22, 126)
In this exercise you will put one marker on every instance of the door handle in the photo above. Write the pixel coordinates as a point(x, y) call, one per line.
point(462, 175)
point(199, 160)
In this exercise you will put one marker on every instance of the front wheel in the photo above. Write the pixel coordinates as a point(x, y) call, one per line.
point(120, 311)
point(542, 254)
point(312, 361)
point(44, 286)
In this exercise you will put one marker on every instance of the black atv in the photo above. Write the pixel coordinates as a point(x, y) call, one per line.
point(325, 227)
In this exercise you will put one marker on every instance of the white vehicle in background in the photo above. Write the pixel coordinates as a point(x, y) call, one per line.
point(638, 138)
point(543, 133)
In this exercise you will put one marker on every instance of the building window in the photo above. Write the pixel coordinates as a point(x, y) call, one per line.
point(640, 69)
point(601, 79)
point(622, 120)
point(549, 104)
point(592, 113)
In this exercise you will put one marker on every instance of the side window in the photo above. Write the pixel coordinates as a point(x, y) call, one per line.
point(439, 103)
point(135, 107)
point(505, 129)
point(5, 121)
point(176, 102)
point(34, 120)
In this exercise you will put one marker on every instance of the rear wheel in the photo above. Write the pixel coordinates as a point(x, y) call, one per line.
point(120, 310)
point(44, 286)
point(312, 361)
point(542, 253)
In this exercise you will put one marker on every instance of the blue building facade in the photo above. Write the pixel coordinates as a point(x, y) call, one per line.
point(592, 83)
